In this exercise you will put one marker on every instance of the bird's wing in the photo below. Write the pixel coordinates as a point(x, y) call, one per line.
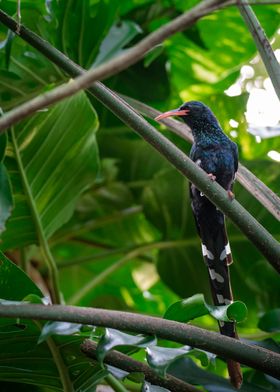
point(235, 155)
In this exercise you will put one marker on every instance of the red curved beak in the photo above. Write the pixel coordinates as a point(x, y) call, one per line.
point(170, 113)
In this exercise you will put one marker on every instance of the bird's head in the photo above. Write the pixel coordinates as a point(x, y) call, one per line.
point(194, 113)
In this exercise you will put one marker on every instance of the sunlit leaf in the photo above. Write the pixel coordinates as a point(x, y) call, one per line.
point(54, 154)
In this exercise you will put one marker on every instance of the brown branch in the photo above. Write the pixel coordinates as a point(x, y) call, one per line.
point(250, 355)
point(130, 365)
point(112, 67)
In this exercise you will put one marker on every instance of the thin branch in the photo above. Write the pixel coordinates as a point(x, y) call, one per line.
point(94, 224)
point(253, 356)
point(259, 236)
point(246, 178)
point(262, 43)
point(141, 248)
point(116, 65)
point(133, 254)
point(130, 365)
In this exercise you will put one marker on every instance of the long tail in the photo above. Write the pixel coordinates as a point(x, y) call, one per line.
point(217, 257)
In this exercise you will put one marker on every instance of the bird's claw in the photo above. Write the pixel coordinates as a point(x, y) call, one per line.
point(211, 176)
point(231, 195)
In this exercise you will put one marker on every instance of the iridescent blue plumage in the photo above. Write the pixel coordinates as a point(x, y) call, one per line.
point(217, 155)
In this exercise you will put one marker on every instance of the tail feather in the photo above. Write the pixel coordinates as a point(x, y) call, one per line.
point(217, 257)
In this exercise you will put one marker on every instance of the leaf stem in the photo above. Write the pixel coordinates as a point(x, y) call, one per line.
point(44, 247)
point(250, 355)
point(133, 254)
point(115, 383)
point(61, 367)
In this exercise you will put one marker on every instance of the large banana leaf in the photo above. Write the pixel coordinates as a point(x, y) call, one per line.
point(52, 158)
point(22, 359)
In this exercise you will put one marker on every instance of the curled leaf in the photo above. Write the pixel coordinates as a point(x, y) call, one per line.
point(195, 306)
point(57, 328)
point(114, 338)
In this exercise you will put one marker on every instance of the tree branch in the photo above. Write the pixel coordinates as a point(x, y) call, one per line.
point(117, 64)
point(253, 356)
point(262, 43)
point(260, 237)
point(130, 365)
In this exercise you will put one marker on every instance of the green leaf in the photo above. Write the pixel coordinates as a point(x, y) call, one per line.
point(160, 358)
point(82, 26)
point(15, 284)
point(236, 311)
point(53, 159)
point(34, 364)
point(119, 35)
point(114, 338)
point(195, 306)
point(58, 328)
point(116, 372)
point(6, 197)
point(187, 309)
point(197, 72)
point(153, 54)
point(270, 321)
point(185, 369)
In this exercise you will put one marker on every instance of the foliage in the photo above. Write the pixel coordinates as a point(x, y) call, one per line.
point(90, 200)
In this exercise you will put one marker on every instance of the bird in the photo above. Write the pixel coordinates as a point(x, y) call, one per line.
point(217, 155)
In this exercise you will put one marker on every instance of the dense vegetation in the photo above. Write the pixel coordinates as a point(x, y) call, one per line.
point(92, 215)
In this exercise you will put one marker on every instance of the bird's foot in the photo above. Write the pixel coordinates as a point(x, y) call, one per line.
point(211, 176)
point(231, 195)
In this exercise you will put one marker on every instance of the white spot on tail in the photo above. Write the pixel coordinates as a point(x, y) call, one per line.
point(227, 248)
point(207, 252)
point(198, 162)
point(222, 300)
point(221, 323)
point(215, 276)
point(225, 252)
